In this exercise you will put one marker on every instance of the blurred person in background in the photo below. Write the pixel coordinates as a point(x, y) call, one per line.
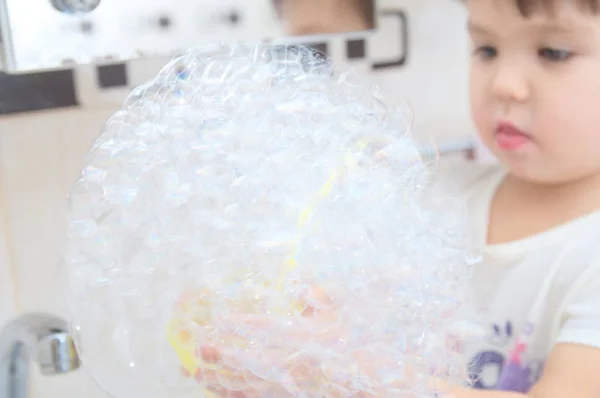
point(310, 17)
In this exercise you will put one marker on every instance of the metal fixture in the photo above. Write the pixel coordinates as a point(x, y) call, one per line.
point(43, 338)
point(75, 6)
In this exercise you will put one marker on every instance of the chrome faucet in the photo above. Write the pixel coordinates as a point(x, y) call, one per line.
point(42, 336)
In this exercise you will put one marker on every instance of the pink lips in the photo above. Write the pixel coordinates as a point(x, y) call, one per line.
point(510, 138)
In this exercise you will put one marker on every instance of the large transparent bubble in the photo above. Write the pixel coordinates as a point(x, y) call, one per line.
point(252, 201)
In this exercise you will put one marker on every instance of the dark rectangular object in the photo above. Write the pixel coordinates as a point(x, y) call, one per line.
point(355, 49)
point(36, 91)
point(322, 47)
point(110, 76)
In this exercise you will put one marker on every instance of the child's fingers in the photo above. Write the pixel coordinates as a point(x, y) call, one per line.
point(234, 394)
point(184, 372)
point(221, 386)
point(209, 354)
point(206, 377)
point(221, 379)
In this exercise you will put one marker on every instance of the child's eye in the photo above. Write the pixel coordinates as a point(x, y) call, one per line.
point(555, 55)
point(485, 52)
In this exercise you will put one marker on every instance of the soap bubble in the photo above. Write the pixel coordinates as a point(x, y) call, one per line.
point(253, 200)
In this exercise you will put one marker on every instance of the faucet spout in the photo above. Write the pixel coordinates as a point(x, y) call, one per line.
point(44, 337)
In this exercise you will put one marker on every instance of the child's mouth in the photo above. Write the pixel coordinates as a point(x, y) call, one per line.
point(510, 138)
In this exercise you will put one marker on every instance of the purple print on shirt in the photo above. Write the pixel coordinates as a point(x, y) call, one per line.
point(512, 373)
point(515, 376)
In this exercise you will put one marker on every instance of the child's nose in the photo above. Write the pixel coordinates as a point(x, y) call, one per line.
point(510, 83)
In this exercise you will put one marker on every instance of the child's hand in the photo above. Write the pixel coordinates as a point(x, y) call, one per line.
point(304, 373)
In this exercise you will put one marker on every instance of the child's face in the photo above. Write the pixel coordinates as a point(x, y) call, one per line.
point(542, 76)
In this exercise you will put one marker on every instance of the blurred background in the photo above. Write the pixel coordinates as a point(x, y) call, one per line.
point(66, 66)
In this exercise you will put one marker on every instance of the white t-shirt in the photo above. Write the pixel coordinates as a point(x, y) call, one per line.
point(531, 293)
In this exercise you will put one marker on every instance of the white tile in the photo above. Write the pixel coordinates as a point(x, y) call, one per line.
point(7, 302)
point(40, 157)
point(31, 168)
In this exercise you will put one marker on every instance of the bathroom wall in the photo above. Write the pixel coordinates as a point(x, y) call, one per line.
point(41, 152)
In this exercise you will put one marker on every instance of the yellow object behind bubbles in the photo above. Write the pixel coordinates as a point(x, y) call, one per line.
point(180, 338)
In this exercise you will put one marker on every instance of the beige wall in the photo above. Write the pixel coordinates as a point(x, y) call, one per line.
point(40, 154)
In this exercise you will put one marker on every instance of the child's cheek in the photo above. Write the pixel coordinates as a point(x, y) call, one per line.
point(482, 121)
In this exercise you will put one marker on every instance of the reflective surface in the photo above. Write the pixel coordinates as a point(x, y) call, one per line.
point(58, 34)
point(40, 337)
point(75, 6)
point(313, 17)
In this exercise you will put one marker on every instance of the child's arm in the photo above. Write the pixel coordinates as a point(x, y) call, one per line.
point(572, 371)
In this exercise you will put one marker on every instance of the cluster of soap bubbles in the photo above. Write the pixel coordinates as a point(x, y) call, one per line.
point(252, 200)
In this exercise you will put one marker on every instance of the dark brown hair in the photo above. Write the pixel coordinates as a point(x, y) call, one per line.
point(529, 7)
